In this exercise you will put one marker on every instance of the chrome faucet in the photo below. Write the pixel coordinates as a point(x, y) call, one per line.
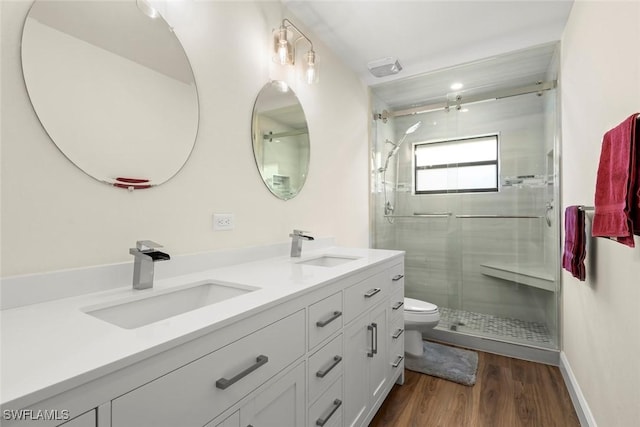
point(145, 254)
point(296, 242)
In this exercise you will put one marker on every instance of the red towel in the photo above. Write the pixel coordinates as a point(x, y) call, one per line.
point(574, 242)
point(617, 214)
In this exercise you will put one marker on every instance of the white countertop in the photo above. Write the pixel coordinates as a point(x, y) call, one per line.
point(51, 347)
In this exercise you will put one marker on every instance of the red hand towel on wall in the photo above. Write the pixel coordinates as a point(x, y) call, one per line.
point(574, 242)
point(617, 214)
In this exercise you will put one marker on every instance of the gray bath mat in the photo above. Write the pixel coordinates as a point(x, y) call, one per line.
point(442, 361)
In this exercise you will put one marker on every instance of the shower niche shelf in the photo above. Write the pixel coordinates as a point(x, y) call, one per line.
point(534, 275)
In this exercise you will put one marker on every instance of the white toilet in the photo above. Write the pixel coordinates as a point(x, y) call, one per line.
point(418, 317)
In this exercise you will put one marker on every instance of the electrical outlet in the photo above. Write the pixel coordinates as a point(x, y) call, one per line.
point(223, 222)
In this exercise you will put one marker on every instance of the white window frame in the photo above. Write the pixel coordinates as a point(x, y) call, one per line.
point(416, 168)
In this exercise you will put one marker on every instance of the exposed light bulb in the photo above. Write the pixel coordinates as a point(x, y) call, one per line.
point(311, 72)
point(283, 52)
point(282, 47)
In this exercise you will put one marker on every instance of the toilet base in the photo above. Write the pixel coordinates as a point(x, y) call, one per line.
point(413, 342)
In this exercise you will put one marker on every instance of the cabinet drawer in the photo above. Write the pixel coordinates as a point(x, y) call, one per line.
point(396, 305)
point(396, 274)
point(196, 393)
point(325, 366)
point(396, 345)
point(327, 411)
point(364, 295)
point(325, 318)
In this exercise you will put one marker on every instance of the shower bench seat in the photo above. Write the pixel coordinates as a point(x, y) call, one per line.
point(536, 275)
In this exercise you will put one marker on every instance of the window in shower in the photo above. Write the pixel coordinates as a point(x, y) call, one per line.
point(466, 165)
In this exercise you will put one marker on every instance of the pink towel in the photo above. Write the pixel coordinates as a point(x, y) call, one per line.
point(617, 214)
point(574, 242)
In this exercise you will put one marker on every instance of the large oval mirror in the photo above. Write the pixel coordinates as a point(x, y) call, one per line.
point(280, 140)
point(112, 87)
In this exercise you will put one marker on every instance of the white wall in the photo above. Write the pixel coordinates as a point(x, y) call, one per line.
point(55, 217)
point(600, 77)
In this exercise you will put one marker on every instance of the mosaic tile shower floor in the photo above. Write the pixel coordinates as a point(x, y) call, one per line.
point(487, 324)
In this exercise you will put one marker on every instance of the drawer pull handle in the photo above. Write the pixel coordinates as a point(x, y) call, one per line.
point(373, 327)
point(334, 316)
point(398, 305)
point(323, 419)
point(372, 292)
point(372, 352)
point(224, 383)
point(398, 361)
point(398, 277)
point(375, 349)
point(323, 372)
point(397, 334)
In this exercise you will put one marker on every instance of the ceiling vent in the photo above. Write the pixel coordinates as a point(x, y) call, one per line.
point(384, 67)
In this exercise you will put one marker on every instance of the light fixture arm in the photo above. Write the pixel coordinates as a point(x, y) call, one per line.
point(286, 24)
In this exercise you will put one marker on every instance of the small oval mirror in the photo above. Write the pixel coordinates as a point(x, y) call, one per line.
point(113, 88)
point(280, 140)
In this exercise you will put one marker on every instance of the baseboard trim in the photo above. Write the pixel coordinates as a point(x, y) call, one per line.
point(579, 402)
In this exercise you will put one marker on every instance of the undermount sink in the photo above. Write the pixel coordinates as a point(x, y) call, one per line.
point(131, 314)
point(328, 260)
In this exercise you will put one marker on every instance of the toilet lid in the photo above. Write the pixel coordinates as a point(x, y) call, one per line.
point(416, 305)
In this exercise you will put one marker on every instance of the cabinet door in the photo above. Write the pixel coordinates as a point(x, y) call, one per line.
point(379, 370)
point(88, 419)
point(357, 352)
point(232, 421)
point(280, 405)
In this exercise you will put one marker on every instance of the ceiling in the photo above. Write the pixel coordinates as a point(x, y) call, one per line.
point(426, 35)
point(511, 70)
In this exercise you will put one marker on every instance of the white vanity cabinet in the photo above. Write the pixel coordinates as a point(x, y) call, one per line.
point(370, 349)
point(326, 356)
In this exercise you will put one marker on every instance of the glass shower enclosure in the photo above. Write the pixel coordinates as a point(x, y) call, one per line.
point(466, 183)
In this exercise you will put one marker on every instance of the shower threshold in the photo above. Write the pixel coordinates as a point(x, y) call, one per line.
point(496, 327)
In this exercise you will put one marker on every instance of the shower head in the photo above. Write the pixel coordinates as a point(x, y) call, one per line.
point(413, 128)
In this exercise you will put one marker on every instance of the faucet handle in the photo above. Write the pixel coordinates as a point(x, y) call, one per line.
point(143, 245)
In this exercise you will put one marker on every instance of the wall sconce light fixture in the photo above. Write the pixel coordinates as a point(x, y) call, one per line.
point(285, 50)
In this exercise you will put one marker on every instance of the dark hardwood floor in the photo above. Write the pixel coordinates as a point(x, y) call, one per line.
point(508, 393)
